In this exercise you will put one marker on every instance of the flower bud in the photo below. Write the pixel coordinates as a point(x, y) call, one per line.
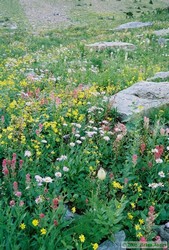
point(101, 174)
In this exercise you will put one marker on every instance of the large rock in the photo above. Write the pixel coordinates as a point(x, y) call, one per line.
point(161, 75)
point(133, 25)
point(140, 97)
point(162, 32)
point(116, 245)
point(105, 45)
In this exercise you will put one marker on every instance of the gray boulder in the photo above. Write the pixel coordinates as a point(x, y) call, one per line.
point(133, 25)
point(105, 45)
point(116, 245)
point(140, 97)
point(162, 32)
point(163, 232)
point(161, 75)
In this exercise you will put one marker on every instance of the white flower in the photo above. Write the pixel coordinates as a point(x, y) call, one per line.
point(78, 125)
point(77, 135)
point(155, 150)
point(161, 174)
point(62, 158)
point(159, 160)
point(167, 147)
point(119, 137)
point(90, 133)
point(65, 169)
point(82, 138)
point(106, 138)
point(39, 199)
point(78, 142)
point(39, 179)
point(101, 174)
point(27, 153)
point(58, 174)
point(44, 141)
point(72, 144)
point(156, 185)
point(47, 179)
point(65, 124)
point(91, 122)
point(105, 122)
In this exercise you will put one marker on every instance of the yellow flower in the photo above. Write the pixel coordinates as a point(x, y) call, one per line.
point(91, 168)
point(22, 226)
point(133, 205)
point(82, 238)
point(95, 246)
point(43, 231)
point(139, 189)
point(137, 227)
point(35, 222)
point(141, 221)
point(73, 209)
point(130, 216)
point(117, 185)
point(139, 235)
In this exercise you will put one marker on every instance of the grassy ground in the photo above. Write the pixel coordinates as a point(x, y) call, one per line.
point(61, 144)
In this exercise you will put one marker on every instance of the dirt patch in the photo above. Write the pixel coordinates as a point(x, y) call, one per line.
point(42, 14)
point(53, 13)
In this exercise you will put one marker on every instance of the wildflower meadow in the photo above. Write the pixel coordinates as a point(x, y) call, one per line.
point(72, 172)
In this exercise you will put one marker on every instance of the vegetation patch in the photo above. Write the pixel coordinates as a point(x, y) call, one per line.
point(72, 174)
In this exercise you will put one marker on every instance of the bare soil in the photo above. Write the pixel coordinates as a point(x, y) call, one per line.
point(43, 14)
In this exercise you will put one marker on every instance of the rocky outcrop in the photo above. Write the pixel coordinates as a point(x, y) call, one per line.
point(140, 97)
point(159, 75)
point(105, 45)
point(162, 32)
point(133, 25)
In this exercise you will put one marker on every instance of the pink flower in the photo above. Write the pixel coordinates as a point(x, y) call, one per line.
point(157, 239)
point(146, 122)
point(21, 203)
point(142, 147)
point(41, 215)
point(55, 203)
point(12, 203)
point(5, 171)
point(151, 209)
point(14, 156)
point(20, 163)
point(13, 163)
point(4, 163)
point(143, 240)
point(134, 159)
point(55, 222)
point(28, 179)
point(18, 194)
point(15, 186)
point(159, 151)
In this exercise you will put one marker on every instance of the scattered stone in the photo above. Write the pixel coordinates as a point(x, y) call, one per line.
point(162, 41)
point(69, 215)
point(163, 232)
point(162, 32)
point(133, 25)
point(140, 98)
point(161, 75)
point(105, 45)
point(116, 245)
point(13, 26)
